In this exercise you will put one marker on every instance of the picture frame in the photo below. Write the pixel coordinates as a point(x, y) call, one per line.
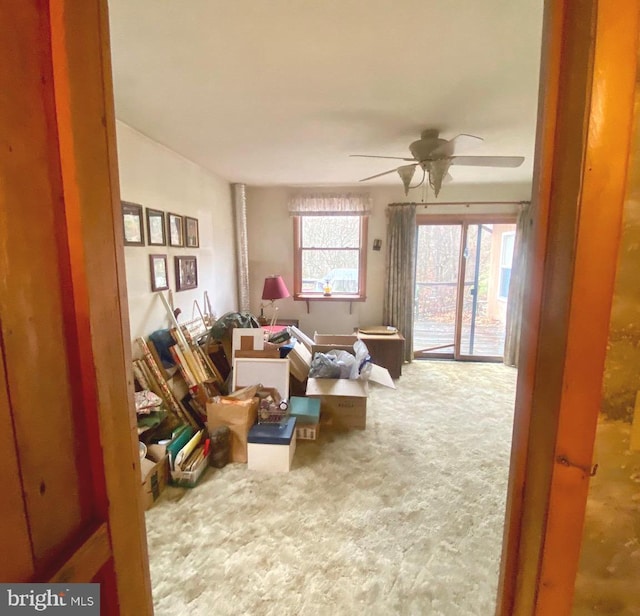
point(132, 225)
point(191, 232)
point(156, 230)
point(186, 273)
point(175, 229)
point(159, 272)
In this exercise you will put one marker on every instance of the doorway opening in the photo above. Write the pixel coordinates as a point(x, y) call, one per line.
point(463, 272)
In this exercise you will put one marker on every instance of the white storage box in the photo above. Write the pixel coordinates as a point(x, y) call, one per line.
point(270, 447)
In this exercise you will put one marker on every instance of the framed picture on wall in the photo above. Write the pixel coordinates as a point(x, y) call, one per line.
point(156, 234)
point(159, 272)
point(132, 225)
point(192, 236)
point(176, 230)
point(186, 273)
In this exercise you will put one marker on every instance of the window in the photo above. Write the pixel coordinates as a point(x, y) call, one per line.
point(506, 260)
point(330, 241)
point(330, 254)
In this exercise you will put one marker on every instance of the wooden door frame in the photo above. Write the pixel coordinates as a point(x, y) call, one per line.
point(85, 120)
point(60, 174)
point(583, 142)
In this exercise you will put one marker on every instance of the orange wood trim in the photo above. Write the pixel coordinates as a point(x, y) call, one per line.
point(550, 370)
point(15, 538)
point(605, 171)
point(513, 564)
point(86, 122)
point(72, 263)
point(32, 289)
point(87, 560)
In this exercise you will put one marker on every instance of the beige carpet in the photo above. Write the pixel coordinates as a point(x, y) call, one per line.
point(403, 518)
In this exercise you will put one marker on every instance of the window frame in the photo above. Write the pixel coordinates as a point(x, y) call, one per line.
point(501, 267)
point(298, 295)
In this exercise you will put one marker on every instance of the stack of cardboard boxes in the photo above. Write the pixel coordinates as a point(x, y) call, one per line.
point(330, 404)
point(343, 402)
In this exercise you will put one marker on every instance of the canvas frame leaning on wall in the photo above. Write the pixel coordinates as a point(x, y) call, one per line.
point(132, 225)
point(159, 270)
point(186, 273)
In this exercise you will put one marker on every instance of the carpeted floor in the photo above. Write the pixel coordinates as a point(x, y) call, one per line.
point(405, 517)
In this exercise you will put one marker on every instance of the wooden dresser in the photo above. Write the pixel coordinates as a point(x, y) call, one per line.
point(386, 350)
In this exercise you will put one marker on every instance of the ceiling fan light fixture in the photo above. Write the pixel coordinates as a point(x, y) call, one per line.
point(435, 155)
point(406, 173)
point(438, 170)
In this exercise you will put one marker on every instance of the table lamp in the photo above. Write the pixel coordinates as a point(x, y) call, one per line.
point(274, 288)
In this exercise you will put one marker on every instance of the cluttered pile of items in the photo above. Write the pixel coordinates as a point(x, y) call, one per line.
point(236, 393)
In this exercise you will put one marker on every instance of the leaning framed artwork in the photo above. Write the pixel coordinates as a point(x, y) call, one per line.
point(156, 234)
point(176, 230)
point(191, 232)
point(186, 273)
point(132, 225)
point(159, 272)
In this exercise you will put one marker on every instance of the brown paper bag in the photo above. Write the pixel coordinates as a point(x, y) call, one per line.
point(239, 416)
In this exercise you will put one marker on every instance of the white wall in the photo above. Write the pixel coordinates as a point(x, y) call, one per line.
point(270, 232)
point(156, 177)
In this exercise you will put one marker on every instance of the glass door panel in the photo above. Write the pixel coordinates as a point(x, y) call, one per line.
point(437, 267)
point(488, 256)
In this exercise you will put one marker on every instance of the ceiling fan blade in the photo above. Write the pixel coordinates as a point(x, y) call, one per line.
point(377, 175)
point(488, 161)
point(459, 141)
point(371, 156)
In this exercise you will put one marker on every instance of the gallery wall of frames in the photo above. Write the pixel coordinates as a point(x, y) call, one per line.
point(145, 226)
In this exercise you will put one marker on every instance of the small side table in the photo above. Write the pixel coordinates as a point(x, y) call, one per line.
point(386, 350)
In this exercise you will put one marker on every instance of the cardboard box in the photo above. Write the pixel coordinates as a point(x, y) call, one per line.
point(307, 432)
point(299, 362)
point(343, 402)
point(239, 416)
point(335, 339)
point(154, 472)
point(271, 447)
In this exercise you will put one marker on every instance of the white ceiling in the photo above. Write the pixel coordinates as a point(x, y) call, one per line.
point(280, 92)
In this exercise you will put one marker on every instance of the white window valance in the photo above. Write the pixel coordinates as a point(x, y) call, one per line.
point(330, 205)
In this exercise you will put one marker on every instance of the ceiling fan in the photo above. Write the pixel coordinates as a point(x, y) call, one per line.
point(435, 155)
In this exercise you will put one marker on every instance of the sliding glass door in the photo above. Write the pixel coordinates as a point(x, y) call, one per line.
point(436, 295)
point(463, 272)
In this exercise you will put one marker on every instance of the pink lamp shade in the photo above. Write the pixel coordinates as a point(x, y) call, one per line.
point(274, 288)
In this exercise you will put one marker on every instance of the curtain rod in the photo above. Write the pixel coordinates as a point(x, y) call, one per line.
point(467, 203)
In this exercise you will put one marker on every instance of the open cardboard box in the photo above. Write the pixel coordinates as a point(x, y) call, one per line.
point(343, 402)
point(154, 471)
point(323, 343)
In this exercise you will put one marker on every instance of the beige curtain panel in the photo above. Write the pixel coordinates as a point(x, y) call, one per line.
point(400, 272)
point(519, 270)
